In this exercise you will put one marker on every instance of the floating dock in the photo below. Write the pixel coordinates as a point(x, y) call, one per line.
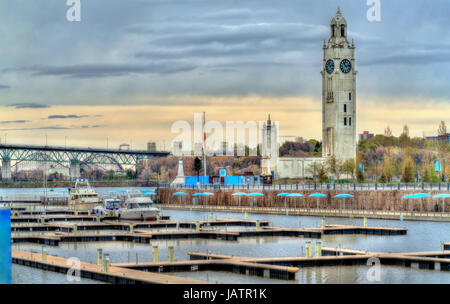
point(114, 275)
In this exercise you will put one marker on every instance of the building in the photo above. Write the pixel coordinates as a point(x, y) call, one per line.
point(339, 92)
point(125, 147)
point(269, 147)
point(338, 111)
point(440, 138)
point(365, 135)
point(151, 146)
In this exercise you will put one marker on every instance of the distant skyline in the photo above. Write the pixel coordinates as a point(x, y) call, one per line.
point(131, 68)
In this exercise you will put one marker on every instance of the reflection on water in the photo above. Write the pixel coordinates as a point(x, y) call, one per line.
point(422, 236)
point(27, 275)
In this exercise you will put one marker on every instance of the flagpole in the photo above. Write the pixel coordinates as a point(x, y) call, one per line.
point(204, 145)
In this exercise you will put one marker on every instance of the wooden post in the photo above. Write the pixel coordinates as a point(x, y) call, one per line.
point(131, 228)
point(106, 263)
point(318, 249)
point(365, 222)
point(197, 226)
point(323, 223)
point(308, 249)
point(44, 254)
point(245, 215)
point(99, 256)
point(155, 254)
point(257, 225)
point(170, 254)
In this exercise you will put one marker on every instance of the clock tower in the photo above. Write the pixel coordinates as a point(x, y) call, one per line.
point(338, 93)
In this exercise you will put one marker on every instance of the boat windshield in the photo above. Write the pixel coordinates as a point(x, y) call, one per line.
point(141, 205)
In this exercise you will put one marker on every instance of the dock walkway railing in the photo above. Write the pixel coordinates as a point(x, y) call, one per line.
point(318, 186)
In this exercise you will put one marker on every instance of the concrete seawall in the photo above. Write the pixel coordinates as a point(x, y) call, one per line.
point(389, 200)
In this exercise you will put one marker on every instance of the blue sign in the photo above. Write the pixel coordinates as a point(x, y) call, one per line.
point(437, 166)
point(223, 172)
point(361, 167)
point(5, 246)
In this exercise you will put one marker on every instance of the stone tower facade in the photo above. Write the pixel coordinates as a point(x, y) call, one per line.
point(338, 93)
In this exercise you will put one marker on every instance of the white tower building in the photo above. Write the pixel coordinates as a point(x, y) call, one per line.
point(338, 93)
point(269, 147)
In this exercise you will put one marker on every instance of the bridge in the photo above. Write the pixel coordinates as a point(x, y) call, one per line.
point(71, 155)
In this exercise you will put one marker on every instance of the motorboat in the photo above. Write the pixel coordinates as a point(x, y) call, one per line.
point(138, 207)
point(82, 196)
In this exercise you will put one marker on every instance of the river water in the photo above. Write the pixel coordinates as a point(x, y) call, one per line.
point(422, 236)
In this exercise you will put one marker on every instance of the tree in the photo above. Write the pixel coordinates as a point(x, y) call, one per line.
point(197, 166)
point(348, 167)
point(388, 131)
point(407, 175)
point(418, 158)
point(334, 166)
point(322, 173)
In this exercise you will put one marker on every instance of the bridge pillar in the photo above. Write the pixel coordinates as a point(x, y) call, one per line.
point(74, 170)
point(6, 170)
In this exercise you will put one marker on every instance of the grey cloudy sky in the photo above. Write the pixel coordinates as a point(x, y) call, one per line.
point(145, 52)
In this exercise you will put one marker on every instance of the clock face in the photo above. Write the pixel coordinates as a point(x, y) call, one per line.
point(329, 66)
point(346, 66)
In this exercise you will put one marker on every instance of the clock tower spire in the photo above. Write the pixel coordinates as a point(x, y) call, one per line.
point(339, 92)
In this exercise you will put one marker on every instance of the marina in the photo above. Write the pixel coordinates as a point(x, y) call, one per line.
point(210, 228)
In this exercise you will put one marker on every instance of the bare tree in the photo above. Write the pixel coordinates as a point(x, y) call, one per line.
point(388, 131)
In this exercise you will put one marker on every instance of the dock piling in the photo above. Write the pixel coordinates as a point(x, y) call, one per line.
point(106, 263)
point(365, 222)
point(245, 215)
point(258, 225)
point(323, 223)
point(44, 254)
point(318, 249)
point(99, 256)
point(155, 254)
point(197, 226)
point(308, 249)
point(170, 254)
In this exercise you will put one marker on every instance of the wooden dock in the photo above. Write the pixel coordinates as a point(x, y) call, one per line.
point(234, 265)
point(115, 275)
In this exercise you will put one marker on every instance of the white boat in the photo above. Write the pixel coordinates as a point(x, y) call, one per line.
point(138, 208)
point(82, 197)
point(109, 207)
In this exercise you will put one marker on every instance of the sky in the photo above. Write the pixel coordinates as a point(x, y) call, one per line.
point(130, 69)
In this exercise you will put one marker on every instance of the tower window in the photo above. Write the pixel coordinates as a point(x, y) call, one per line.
point(345, 108)
point(333, 30)
point(349, 121)
point(342, 30)
point(345, 121)
point(350, 96)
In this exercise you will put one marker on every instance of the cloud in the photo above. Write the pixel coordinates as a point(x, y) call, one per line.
point(38, 128)
point(30, 105)
point(13, 122)
point(2, 86)
point(108, 70)
point(71, 116)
